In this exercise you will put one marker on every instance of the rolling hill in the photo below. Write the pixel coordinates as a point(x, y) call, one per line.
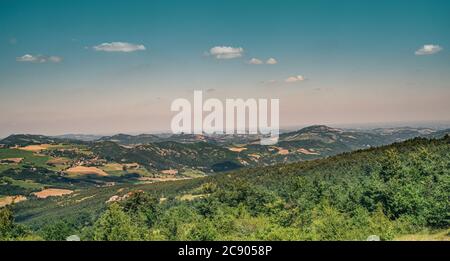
point(389, 191)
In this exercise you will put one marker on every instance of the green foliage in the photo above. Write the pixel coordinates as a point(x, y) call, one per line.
point(9, 230)
point(172, 220)
point(6, 222)
point(115, 225)
point(142, 206)
point(329, 224)
point(388, 191)
point(57, 231)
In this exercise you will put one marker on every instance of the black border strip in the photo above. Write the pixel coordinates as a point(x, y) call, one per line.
point(151, 250)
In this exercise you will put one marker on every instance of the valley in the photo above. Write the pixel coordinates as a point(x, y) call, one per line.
point(30, 163)
point(46, 179)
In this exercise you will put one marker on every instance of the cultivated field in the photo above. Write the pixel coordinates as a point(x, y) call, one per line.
point(52, 193)
point(82, 170)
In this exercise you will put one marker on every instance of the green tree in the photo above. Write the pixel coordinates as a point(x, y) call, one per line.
point(329, 224)
point(6, 223)
point(173, 220)
point(57, 231)
point(391, 165)
point(203, 230)
point(9, 230)
point(115, 225)
point(142, 207)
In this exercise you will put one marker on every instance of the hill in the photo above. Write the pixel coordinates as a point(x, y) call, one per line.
point(126, 139)
point(169, 155)
point(27, 139)
point(398, 189)
point(30, 163)
point(78, 137)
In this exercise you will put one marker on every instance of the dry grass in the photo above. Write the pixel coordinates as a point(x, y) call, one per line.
point(82, 170)
point(236, 149)
point(58, 161)
point(52, 193)
point(11, 199)
point(282, 151)
point(11, 160)
point(440, 235)
point(112, 167)
point(35, 148)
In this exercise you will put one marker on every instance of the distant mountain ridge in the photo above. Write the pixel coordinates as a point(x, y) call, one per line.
point(323, 133)
point(80, 137)
point(126, 139)
point(27, 139)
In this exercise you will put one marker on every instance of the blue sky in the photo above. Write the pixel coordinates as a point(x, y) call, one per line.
point(357, 60)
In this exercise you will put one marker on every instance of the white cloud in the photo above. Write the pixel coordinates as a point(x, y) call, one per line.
point(271, 61)
point(39, 58)
point(27, 58)
point(293, 79)
point(226, 52)
point(429, 49)
point(119, 47)
point(255, 61)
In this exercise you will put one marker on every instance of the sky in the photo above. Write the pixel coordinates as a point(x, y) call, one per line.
point(104, 67)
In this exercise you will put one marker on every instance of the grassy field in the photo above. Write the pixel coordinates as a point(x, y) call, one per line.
point(26, 184)
point(29, 158)
point(436, 235)
point(192, 173)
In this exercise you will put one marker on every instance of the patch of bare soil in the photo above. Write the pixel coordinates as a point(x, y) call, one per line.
point(11, 160)
point(236, 149)
point(52, 193)
point(35, 148)
point(86, 171)
point(11, 199)
point(282, 151)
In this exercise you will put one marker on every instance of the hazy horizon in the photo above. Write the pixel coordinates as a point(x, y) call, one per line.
point(437, 125)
